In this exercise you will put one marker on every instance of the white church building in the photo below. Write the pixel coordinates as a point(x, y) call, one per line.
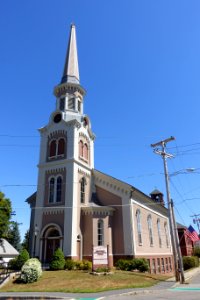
point(76, 206)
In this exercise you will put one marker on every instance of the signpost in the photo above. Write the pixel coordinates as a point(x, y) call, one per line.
point(100, 257)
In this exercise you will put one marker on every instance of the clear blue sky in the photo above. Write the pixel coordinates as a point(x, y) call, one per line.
point(140, 64)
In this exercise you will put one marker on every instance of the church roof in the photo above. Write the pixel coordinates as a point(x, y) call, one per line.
point(134, 192)
point(31, 199)
point(6, 249)
point(71, 68)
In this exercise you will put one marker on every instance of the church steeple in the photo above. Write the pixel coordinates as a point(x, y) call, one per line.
point(71, 69)
point(69, 92)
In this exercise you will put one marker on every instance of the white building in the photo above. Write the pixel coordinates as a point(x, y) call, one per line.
point(7, 252)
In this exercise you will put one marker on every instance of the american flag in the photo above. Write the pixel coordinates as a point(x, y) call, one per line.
point(192, 234)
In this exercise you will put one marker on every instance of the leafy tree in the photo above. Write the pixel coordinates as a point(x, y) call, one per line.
point(14, 235)
point(25, 243)
point(5, 215)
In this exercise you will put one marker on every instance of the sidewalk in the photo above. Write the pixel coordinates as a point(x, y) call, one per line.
point(164, 285)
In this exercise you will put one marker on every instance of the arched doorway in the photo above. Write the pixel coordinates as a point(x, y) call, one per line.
point(52, 240)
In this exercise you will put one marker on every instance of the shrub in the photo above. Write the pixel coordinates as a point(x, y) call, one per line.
point(102, 270)
point(58, 260)
point(18, 262)
point(124, 264)
point(86, 265)
point(69, 264)
point(83, 265)
point(78, 264)
point(197, 251)
point(140, 264)
point(31, 270)
point(196, 258)
point(12, 264)
point(190, 262)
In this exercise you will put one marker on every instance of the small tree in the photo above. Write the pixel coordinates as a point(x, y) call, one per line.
point(19, 261)
point(58, 260)
point(25, 243)
point(5, 215)
point(14, 235)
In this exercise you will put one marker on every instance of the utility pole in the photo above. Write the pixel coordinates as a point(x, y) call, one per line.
point(180, 260)
point(174, 236)
point(196, 220)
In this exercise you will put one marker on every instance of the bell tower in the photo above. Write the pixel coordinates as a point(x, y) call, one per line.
point(65, 166)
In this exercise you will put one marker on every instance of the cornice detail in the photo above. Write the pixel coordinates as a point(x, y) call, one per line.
point(57, 170)
point(112, 186)
point(99, 210)
point(74, 123)
point(53, 211)
point(82, 172)
point(81, 134)
point(64, 88)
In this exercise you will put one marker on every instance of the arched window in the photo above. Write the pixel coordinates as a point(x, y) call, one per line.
point(81, 148)
point(149, 222)
point(100, 233)
point(57, 148)
point(59, 189)
point(51, 190)
point(139, 227)
point(61, 146)
point(166, 234)
point(159, 233)
point(52, 148)
point(85, 151)
point(82, 190)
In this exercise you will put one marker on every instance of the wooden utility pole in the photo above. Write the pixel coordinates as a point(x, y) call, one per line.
point(178, 265)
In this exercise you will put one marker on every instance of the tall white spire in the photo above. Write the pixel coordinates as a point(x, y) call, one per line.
point(71, 69)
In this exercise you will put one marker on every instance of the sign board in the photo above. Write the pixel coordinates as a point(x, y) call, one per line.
point(100, 255)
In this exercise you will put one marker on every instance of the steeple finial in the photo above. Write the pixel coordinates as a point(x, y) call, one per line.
point(71, 70)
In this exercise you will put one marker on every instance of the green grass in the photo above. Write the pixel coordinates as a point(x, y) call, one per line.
point(84, 282)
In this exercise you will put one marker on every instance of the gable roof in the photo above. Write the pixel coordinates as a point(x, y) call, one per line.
point(6, 249)
point(141, 197)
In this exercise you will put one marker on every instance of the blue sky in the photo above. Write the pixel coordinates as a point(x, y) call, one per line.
point(140, 64)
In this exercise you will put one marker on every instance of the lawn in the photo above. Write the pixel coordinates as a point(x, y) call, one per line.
point(84, 282)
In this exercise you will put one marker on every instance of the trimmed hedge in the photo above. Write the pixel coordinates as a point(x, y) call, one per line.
point(190, 262)
point(140, 264)
point(31, 270)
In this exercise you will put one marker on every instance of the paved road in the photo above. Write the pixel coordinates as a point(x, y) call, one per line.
point(188, 291)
